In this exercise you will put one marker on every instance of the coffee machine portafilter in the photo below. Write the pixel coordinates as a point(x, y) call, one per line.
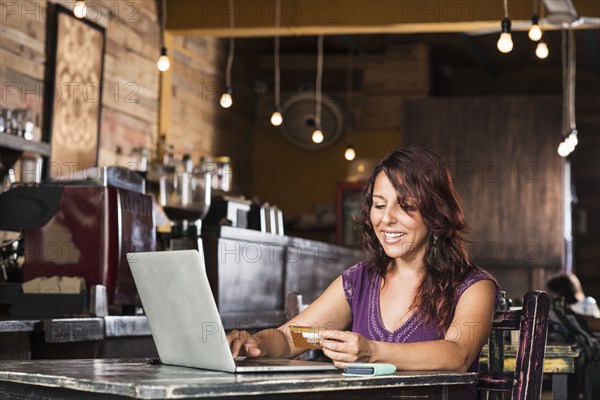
point(185, 198)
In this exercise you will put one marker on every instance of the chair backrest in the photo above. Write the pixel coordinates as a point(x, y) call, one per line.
point(525, 382)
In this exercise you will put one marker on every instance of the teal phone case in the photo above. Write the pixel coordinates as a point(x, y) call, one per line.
point(369, 369)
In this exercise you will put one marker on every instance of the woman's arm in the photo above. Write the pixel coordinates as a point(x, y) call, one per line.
point(328, 311)
point(466, 336)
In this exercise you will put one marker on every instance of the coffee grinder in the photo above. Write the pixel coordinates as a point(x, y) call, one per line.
point(185, 198)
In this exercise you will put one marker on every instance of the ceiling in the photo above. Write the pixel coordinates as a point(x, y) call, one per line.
point(312, 17)
point(460, 33)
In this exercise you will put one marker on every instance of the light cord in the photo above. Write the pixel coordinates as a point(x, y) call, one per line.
point(505, 8)
point(276, 52)
point(349, 84)
point(163, 23)
point(571, 82)
point(231, 44)
point(568, 65)
point(564, 81)
point(319, 81)
point(541, 21)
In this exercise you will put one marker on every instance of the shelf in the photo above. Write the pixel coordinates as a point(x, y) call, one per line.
point(17, 143)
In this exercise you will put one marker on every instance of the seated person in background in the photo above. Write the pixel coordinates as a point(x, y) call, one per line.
point(569, 287)
point(575, 322)
point(417, 300)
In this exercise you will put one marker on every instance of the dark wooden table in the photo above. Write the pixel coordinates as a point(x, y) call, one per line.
point(124, 378)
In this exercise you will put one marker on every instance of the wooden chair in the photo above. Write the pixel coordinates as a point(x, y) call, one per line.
point(525, 383)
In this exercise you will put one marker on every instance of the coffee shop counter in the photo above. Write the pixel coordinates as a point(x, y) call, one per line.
point(110, 336)
point(86, 337)
point(252, 275)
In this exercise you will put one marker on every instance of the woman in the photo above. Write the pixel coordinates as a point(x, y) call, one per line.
point(417, 301)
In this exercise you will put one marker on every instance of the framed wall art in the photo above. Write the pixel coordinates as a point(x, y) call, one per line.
point(73, 95)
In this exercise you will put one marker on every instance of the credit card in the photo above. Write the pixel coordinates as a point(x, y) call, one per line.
point(306, 337)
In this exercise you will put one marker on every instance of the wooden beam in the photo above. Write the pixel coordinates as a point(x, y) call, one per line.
point(255, 18)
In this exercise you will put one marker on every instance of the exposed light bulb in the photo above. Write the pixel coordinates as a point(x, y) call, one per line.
point(572, 139)
point(505, 43)
point(317, 136)
point(276, 117)
point(541, 50)
point(569, 146)
point(226, 99)
point(563, 149)
point(80, 9)
point(163, 63)
point(349, 154)
point(535, 32)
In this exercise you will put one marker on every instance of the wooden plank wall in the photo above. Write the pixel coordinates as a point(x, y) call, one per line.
point(22, 55)
point(199, 125)
point(502, 155)
point(381, 82)
point(586, 213)
point(403, 72)
point(130, 98)
point(131, 79)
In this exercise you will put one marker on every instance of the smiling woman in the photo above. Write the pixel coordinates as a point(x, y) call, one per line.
point(417, 301)
point(412, 215)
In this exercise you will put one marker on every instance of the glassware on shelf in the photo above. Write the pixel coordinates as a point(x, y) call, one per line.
point(18, 122)
point(139, 159)
point(8, 122)
point(28, 126)
point(31, 168)
point(2, 123)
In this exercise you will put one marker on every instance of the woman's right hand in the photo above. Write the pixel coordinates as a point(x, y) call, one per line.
point(242, 343)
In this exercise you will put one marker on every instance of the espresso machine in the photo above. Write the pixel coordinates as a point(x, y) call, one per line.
point(84, 228)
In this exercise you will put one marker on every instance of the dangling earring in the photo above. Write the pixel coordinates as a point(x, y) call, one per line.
point(435, 239)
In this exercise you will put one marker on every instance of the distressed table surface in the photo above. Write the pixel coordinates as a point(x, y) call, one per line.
point(118, 378)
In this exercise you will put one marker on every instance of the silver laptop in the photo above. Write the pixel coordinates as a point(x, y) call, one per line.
point(184, 319)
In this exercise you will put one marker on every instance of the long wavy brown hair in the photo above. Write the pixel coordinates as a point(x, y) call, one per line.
point(422, 180)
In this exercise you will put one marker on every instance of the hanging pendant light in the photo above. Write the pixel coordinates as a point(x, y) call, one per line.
point(317, 136)
point(505, 43)
point(350, 153)
point(80, 9)
point(226, 98)
point(535, 32)
point(163, 64)
point(541, 50)
point(570, 140)
point(276, 117)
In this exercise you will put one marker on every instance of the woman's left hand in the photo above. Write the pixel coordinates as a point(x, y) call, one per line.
point(346, 347)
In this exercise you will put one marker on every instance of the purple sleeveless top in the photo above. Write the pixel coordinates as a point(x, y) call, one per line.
point(362, 294)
